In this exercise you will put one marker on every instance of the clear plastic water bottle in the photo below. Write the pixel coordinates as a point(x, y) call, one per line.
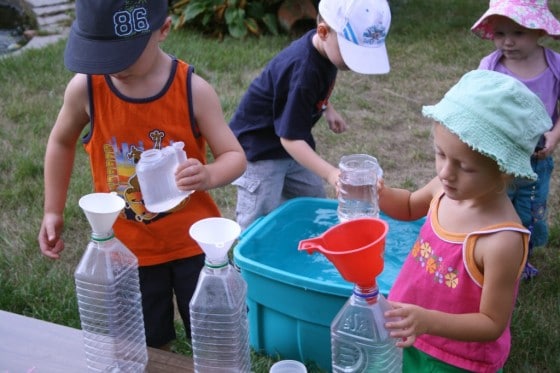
point(357, 188)
point(110, 306)
point(219, 326)
point(360, 342)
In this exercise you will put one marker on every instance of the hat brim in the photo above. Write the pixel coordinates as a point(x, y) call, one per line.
point(364, 60)
point(482, 139)
point(98, 57)
point(483, 29)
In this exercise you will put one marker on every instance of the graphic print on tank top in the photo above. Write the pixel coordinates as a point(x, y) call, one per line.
point(120, 163)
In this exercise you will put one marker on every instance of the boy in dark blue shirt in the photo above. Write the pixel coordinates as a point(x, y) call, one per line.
point(276, 115)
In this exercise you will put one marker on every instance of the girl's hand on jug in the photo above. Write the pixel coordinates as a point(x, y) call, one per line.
point(409, 321)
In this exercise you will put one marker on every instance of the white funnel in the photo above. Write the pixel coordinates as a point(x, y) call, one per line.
point(101, 209)
point(215, 237)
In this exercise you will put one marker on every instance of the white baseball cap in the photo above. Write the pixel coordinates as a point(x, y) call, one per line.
point(361, 27)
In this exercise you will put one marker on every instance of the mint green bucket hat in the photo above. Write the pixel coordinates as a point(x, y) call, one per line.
point(495, 115)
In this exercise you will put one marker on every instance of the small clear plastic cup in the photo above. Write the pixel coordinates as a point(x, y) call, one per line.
point(288, 366)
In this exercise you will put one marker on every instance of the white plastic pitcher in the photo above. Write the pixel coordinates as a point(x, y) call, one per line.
point(156, 176)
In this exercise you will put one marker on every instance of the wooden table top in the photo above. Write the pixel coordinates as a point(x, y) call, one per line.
point(29, 345)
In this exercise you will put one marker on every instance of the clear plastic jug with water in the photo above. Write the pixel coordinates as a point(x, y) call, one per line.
point(359, 340)
point(357, 187)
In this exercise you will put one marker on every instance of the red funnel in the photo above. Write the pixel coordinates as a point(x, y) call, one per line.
point(355, 247)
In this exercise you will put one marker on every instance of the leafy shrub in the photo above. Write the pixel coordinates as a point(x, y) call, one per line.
point(237, 18)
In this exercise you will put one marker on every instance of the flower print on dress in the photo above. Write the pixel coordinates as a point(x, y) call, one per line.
point(451, 278)
point(434, 264)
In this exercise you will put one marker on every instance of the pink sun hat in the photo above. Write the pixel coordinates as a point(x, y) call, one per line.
point(531, 14)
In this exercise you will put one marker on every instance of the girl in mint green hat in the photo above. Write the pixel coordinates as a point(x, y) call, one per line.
point(454, 295)
point(516, 27)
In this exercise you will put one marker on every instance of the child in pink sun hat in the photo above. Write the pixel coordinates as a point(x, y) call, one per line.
point(516, 28)
point(531, 14)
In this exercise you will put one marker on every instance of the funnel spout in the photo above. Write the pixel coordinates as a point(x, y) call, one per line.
point(215, 237)
point(101, 210)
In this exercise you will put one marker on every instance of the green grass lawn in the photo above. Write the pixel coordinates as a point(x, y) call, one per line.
point(430, 47)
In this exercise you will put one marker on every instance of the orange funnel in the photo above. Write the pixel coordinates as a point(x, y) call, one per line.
point(355, 247)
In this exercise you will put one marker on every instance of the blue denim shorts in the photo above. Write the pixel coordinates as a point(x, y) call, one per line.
point(266, 184)
point(530, 200)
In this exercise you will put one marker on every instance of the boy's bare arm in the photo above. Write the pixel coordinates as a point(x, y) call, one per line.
point(59, 161)
point(61, 146)
point(229, 158)
point(308, 158)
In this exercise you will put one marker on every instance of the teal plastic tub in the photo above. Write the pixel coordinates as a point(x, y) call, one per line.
point(293, 296)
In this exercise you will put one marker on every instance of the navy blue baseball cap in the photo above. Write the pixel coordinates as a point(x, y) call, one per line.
point(108, 36)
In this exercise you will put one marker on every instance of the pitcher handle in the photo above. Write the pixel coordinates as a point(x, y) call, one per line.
point(180, 151)
point(310, 246)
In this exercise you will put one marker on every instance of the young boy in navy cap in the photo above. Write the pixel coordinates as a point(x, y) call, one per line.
point(136, 97)
point(275, 118)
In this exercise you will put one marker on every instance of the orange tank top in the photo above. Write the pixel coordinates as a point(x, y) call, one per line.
point(121, 129)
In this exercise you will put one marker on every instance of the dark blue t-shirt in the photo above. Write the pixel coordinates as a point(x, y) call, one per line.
point(285, 100)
